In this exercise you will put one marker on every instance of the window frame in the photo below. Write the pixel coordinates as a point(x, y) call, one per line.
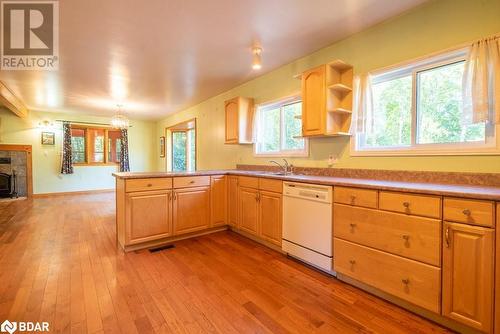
point(490, 146)
point(87, 162)
point(282, 102)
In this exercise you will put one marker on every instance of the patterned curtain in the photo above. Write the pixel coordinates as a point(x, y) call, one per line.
point(124, 165)
point(67, 164)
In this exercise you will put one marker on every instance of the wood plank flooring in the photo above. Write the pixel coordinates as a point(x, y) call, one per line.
point(59, 263)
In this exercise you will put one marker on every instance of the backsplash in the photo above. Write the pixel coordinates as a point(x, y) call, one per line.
point(472, 179)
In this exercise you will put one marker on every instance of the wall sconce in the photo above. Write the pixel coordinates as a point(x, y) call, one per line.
point(45, 124)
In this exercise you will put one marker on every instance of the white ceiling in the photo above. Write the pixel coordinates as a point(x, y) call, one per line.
point(161, 56)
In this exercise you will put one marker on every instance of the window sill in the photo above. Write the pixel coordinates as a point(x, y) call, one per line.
point(426, 152)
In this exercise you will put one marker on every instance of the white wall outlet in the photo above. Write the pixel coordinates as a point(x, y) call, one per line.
point(332, 160)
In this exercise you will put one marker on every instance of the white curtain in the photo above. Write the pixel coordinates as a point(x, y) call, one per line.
point(362, 118)
point(481, 82)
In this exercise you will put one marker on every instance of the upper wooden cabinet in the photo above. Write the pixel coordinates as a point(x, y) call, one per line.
point(239, 117)
point(468, 253)
point(327, 100)
point(218, 200)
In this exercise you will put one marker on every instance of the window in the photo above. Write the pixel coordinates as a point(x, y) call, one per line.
point(418, 108)
point(89, 145)
point(279, 129)
point(182, 155)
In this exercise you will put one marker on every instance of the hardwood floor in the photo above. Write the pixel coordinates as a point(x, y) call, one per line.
point(59, 263)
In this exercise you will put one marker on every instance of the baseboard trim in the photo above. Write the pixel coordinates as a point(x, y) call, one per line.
point(79, 192)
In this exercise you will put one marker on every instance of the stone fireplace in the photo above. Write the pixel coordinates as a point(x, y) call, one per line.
point(14, 172)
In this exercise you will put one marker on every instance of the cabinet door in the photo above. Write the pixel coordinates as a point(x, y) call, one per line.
point(249, 210)
point(232, 121)
point(232, 195)
point(270, 216)
point(191, 209)
point(468, 255)
point(148, 216)
point(218, 200)
point(313, 101)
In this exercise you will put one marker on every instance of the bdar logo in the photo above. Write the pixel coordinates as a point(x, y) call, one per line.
point(8, 326)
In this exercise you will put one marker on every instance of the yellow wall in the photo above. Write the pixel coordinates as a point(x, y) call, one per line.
point(432, 27)
point(47, 159)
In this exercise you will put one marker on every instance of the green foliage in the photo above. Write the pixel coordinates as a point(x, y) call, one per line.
point(78, 149)
point(179, 163)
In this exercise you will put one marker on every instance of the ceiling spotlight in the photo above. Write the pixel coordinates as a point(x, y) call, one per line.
point(257, 58)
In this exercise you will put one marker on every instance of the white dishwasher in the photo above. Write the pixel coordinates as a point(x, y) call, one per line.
point(307, 223)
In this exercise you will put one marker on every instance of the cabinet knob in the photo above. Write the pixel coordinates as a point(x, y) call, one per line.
point(353, 199)
point(406, 204)
point(191, 182)
point(352, 226)
point(149, 184)
point(406, 237)
point(466, 212)
point(405, 281)
point(352, 262)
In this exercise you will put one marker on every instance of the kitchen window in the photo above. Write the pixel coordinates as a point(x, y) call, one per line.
point(417, 109)
point(95, 146)
point(279, 129)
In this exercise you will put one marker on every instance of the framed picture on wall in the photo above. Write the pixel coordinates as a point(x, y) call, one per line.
point(162, 147)
point(48, 138)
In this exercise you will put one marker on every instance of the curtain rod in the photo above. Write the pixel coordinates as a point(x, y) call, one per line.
point(85, 123)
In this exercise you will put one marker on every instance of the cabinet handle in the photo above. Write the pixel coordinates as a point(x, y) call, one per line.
point(352, 262)
point(406, 204)
point(406, 237)
point(175, 196)
point(191, 182)
point(169, 196)
point(352, 225)
point(353, 199)
point(405, 281)
point(149, 184)
point(447, 236)
point(466, 212)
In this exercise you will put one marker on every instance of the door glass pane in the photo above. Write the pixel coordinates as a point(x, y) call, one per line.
point(292, 127)
point(179, 152)
point(78, 145)
point(439, 107)
point(96, 138)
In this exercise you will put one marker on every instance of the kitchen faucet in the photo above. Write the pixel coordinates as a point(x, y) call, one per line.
point(286, 167)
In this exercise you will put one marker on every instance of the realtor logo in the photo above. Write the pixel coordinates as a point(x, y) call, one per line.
point(8, 326)
point(30, 35)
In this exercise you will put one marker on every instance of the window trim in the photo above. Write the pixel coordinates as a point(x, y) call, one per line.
point(290, 99)
point(491, 145)
point(87, 162)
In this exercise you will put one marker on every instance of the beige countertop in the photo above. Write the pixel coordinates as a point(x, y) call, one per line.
point(479, 192)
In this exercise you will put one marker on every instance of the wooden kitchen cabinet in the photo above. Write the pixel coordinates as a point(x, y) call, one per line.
point(238, 117)
point(327, 100)
point(148, 216)
point(232, 201)
point(270, 216)
point(191, 209)
point(248, 210)
point(314, 101)
point(218, 200)
point(468, 255)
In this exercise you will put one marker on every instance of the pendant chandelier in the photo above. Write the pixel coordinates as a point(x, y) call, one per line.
point(119, 121)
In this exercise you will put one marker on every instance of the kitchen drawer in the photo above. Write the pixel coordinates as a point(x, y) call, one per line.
point(248, 182)
point(191, 181)
point(271, 185)
point(474, 212)
point(355, 196)
point(415, 282)
point(419, 205)
point(417, 238)
point(148, 184)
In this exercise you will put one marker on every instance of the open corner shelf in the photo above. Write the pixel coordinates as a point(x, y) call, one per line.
point(340, 65)
point(340, 111)
point(339, 87)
